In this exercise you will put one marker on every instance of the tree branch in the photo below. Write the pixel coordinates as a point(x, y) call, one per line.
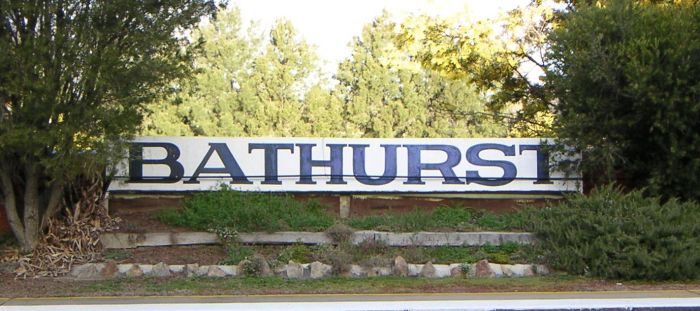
point(54, 204)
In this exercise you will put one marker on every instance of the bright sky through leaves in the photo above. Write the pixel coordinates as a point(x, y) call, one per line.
point(331, 25)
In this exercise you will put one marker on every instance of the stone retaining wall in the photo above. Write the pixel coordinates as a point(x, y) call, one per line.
point(133, 240)
point(314, 270)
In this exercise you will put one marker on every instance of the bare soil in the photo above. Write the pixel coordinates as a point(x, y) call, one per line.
point(172, 255)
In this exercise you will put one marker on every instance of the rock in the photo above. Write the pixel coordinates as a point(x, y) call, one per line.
point(280, 271)
point(124, 268)
point(85, 272)
point(356, 271)
point(262, 265)
point(256, 266)
point(215, 272)
point(508, 270)
point(428, 270)
point(294, 270)
point(202, 271)
point(442, 271)
point(528, 270)
point(414, 270)
point(517, 270)
point(229, 270)
point(177, 268)
point(191, 269)
point(379, 271)
point(482, 269)
point(147, 269)
point(307, 270)
point(542, 270)
point(160, 270)
point(456, 270)
point(320, 270)
point(110, 270)
point(400, 266)
point(497, 269)
point(134, 272)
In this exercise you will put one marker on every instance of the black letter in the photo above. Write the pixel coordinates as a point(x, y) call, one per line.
point(136, 163)
point(271, 160)
point(230, 165)
point(415, 166)
point(542, 162)
point(360, 172)
point(335, 163)
point(509, 169)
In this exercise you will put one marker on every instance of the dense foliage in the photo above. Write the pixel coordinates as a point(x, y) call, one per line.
point(253, 85)
point(620, 235)
point(74, 79)
point(627, 80)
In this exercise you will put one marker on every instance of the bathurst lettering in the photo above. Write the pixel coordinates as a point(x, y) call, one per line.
point(419, 159)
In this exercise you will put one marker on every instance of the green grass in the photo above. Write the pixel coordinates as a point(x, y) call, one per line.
point(276, 285)
point(236, 211)
point(442, 219)
point(233, 211)
point(380, 254)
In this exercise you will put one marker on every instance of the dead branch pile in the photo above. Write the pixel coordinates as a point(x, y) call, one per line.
point(73, 237)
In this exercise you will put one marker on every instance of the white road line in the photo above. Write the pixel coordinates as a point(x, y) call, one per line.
point(528, 304)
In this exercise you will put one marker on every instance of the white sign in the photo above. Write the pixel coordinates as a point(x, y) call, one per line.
point(449, 165)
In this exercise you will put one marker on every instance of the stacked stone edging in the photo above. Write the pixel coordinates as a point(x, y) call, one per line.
point(133, 240)
point(314, 270)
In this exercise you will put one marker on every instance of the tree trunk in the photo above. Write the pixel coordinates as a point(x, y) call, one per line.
point(11, 207)
point(53, 205)
point(32, 202)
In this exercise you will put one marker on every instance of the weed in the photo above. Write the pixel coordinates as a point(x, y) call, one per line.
point(298, 252)
point(340, 233)
point(236, 253)
point(255, 266)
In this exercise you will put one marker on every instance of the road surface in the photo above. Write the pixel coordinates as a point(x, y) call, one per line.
point(627, 300)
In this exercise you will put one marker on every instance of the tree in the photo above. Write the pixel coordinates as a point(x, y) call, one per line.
point(489, 55)
point(246, 85)
point(389, 94)
point(627, 80)
point(272, 95)
point(74, 79)
point(209, 104)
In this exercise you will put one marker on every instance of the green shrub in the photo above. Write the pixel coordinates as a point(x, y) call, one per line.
point(299, 253)
point(622, 236)
point(235, 253)
point(248, 211)
point(443, 218)
point(340, 233)
point(456, 218)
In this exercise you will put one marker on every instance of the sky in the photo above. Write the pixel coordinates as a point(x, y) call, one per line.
point(331, 24)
